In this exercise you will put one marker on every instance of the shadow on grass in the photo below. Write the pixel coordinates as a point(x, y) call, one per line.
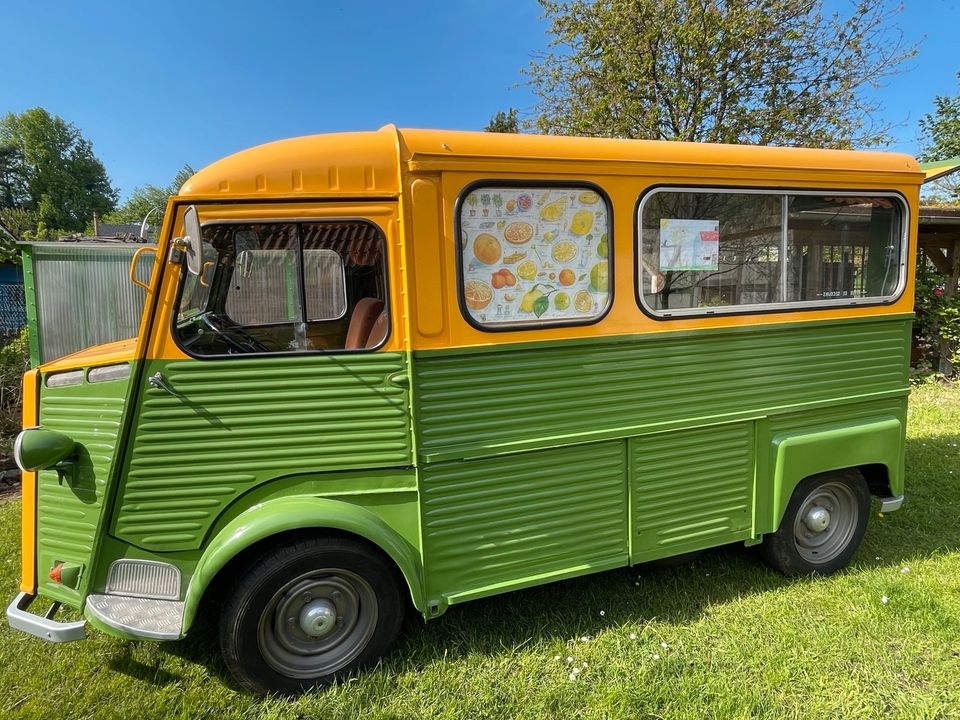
point(124, 662)
point(563, 611)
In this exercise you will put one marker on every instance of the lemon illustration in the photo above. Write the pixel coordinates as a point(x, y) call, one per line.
point(552, 212)
point(548, 236)
point(603, 249)
point(599, 279)
point(583, 302)
point(564, 251)
point(561, 301)
point(527, 270)
point(529, 298)
point(589, 197)
point(582, 222)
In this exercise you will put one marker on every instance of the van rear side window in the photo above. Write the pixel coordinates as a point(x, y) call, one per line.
point(709, 251)
point(534, 255)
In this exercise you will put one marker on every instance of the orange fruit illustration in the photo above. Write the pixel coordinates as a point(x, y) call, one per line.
point(567, 277)
point(518, 233)
point(486, 248)
point(477, 294)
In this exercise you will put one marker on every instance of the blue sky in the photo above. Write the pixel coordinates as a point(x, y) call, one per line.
point(163, 84)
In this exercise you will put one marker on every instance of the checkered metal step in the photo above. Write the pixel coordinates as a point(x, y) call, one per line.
point(156, 619)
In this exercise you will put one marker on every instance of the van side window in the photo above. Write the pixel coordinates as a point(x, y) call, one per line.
point(709, 251)
point(533, 255)
point(285, 287)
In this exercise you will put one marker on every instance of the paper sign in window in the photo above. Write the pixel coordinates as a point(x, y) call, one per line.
point(689, 244)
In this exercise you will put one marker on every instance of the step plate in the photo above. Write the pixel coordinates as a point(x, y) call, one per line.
point(144, 617)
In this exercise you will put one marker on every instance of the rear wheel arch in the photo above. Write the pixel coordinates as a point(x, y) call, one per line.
point(874, 449)
point(287, 520)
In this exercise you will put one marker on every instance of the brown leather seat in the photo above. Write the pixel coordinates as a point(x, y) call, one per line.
point(364, 316)
point(378, 332)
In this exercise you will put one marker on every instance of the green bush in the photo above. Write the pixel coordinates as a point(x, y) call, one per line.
point(14, 361)
point(937, 322)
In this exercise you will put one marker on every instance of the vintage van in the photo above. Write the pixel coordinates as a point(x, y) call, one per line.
point(412, 367)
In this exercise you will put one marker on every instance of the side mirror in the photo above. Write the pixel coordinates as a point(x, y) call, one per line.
point(191, 241)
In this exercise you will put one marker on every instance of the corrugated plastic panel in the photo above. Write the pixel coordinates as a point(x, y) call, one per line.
point(84, 295)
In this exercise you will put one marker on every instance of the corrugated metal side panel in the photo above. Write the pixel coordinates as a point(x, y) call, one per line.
point(691, 489)
point(85, 297)
point(503, 519)
point(475, 400)
point(68, 512)
point(236, 423)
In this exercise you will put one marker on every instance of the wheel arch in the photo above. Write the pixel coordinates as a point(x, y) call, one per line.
point(288, 517)
point(873, 448)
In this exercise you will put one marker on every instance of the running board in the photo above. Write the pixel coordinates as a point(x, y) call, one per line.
point(143, 617)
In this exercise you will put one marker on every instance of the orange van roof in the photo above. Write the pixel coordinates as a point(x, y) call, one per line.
point(367, 164)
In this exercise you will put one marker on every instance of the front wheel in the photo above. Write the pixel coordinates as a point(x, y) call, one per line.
point(309, 612)
point(822, 525)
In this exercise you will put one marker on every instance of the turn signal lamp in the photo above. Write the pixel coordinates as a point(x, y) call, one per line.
point(39, 449)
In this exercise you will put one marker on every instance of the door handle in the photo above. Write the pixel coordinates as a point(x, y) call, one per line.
point(156, 380)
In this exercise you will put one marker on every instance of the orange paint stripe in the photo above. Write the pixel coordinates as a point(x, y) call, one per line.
point(28, 484)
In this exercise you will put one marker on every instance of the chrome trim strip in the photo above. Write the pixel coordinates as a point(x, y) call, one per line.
point(45, 628)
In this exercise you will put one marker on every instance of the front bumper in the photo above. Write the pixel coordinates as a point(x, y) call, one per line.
point(42, 626)
point(889, 504)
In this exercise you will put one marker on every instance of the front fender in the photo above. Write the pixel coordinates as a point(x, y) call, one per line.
point(297, 513)
point(802, 454)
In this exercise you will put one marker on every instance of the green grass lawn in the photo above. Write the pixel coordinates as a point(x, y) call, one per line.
point(719, 637)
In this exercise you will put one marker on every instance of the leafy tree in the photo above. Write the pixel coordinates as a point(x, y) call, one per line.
point(941, 131)
point(149, 197)
point(749, 71)
point(51, 170)
point(13, 185)
point(504, 122)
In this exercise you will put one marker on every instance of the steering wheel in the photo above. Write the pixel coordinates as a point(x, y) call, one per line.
point(238, 339)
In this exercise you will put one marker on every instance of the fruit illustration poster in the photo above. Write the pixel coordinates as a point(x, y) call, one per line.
point(689, 244)
point(534, 255)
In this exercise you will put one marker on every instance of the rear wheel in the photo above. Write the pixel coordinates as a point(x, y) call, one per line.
point(822, 526)
point(307, 613)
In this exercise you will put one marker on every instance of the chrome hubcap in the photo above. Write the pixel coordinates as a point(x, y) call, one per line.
point(318, 618)
point(826, 523)
point(317, 623)
point(817, 519)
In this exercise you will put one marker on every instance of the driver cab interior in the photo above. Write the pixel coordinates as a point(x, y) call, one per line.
point(278, 287)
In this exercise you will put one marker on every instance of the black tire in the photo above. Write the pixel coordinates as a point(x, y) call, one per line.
point(799, 546)
point(342, 589)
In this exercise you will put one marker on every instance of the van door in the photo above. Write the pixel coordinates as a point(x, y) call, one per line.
point(282, 358)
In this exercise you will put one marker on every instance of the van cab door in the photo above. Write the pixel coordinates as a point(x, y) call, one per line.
point(282, 360)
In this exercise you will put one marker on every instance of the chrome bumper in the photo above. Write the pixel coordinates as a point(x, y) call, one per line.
point(889, 504)
point(43, 626)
